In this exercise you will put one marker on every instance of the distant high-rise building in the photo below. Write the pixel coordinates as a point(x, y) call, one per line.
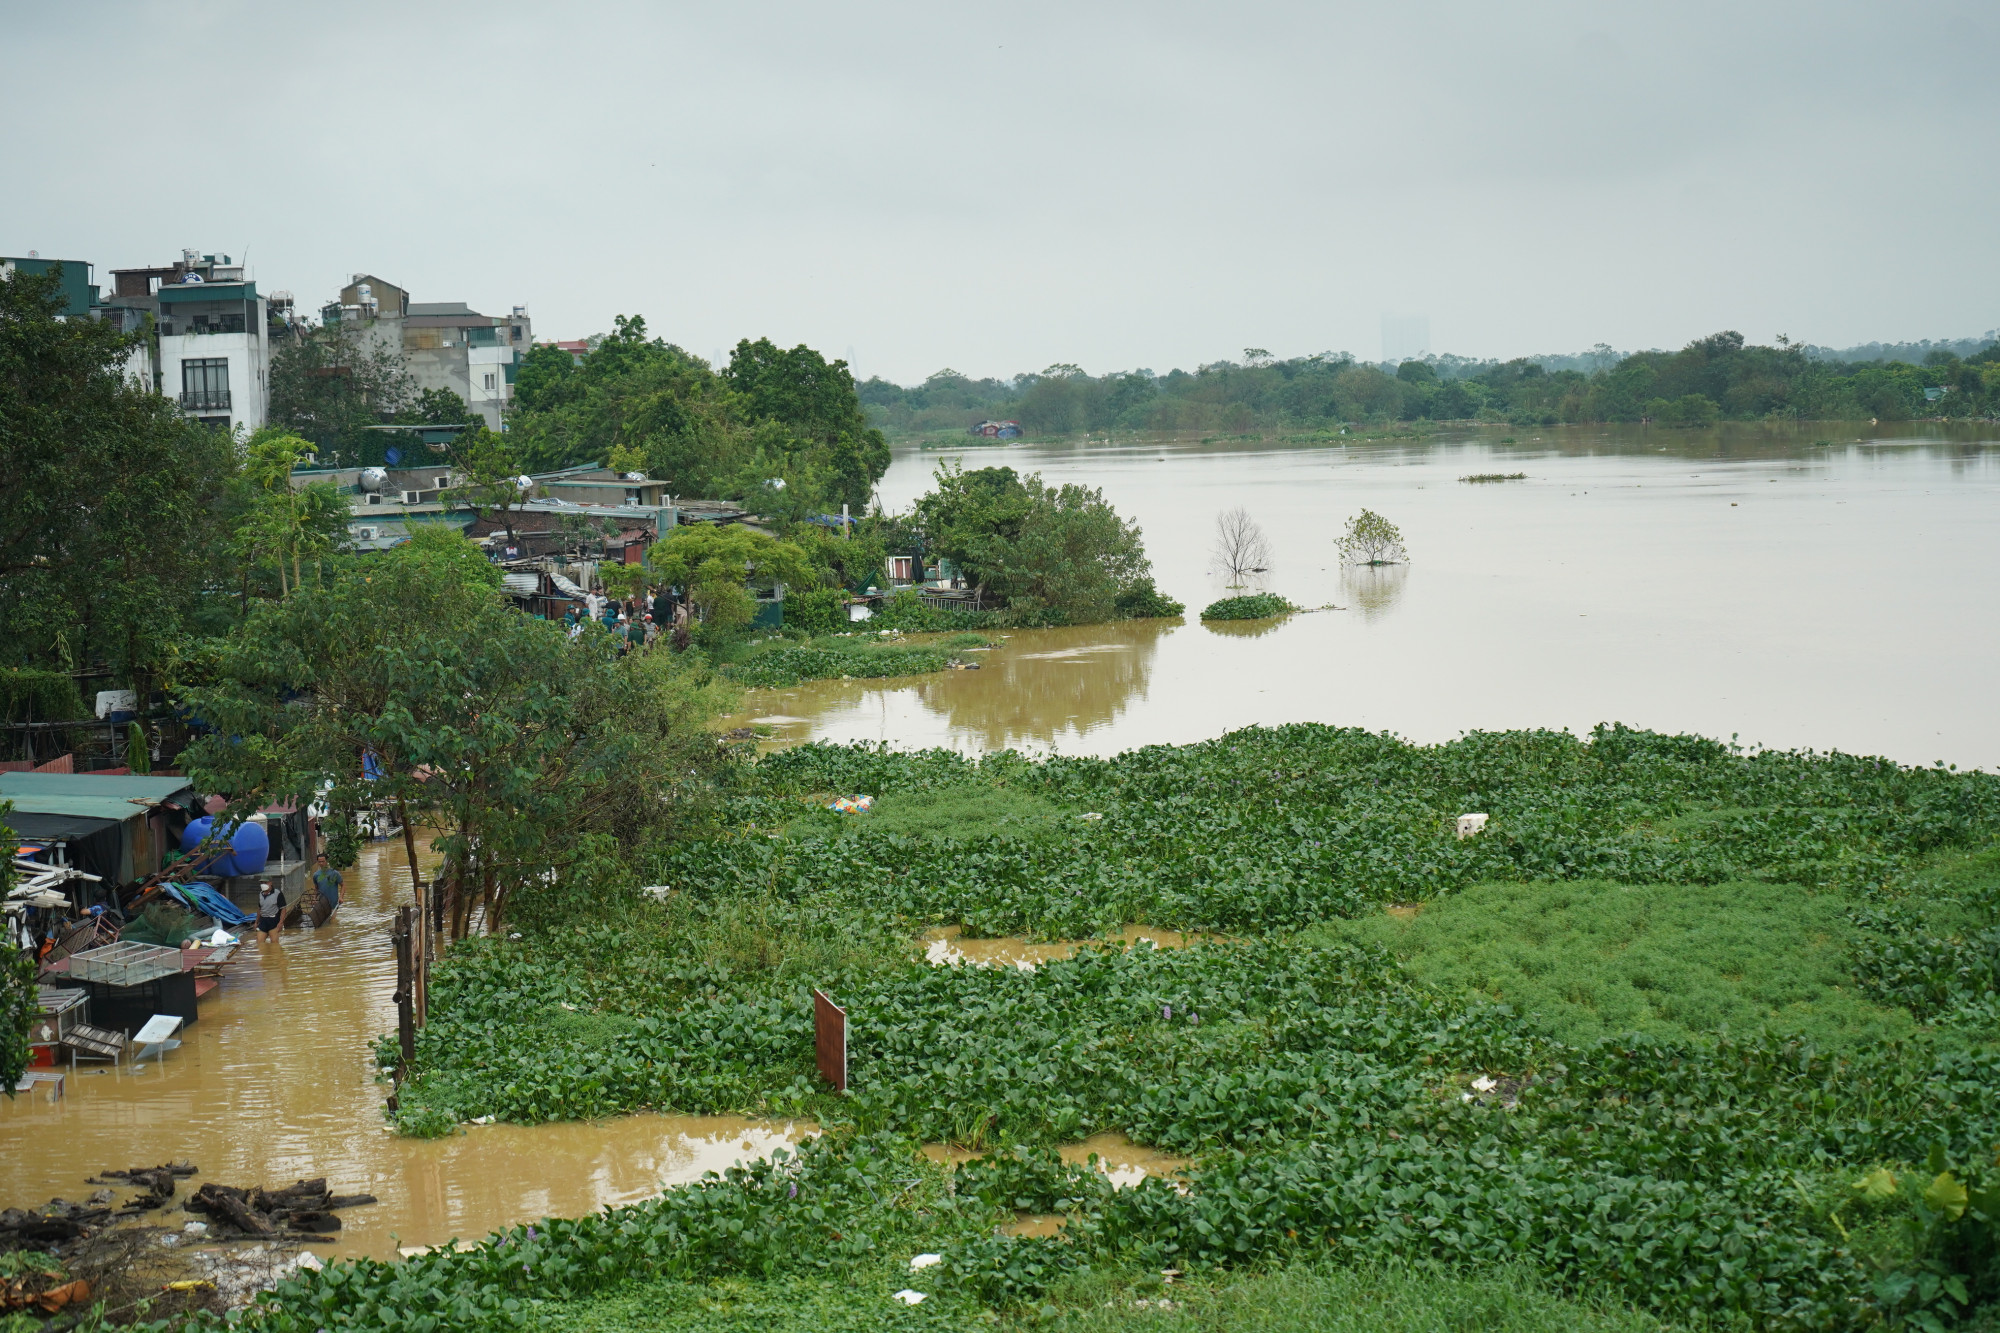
point(1405, 338)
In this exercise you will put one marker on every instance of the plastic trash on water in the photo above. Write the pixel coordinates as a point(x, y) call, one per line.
point(1468, 825)
point(908, 1297)
point(852, 805)
point(221, 937)
point(923, 1261)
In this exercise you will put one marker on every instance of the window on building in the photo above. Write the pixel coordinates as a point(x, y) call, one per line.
point(517, 333)
point(490, 385)
point(205, 382)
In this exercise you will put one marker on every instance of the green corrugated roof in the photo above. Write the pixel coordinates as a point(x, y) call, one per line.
point(114, 808)
point(208, 291)
point(76, 286)
point(28, 790)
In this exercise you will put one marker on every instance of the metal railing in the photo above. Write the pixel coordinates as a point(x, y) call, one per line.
point(202, 400)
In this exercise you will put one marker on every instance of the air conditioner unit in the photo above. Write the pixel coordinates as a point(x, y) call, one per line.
point(367, 534)
point(413, 497)
point(443, 482)
point(374, 497)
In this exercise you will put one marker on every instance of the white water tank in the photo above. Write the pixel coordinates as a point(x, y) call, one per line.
point(374, 479)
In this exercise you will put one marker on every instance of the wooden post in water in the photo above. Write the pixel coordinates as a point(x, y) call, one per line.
point(830, 1039)
point(406, 1027)
point(421, 953)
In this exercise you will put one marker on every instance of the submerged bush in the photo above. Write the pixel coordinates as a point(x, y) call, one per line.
point(1142, 601)
point(1255, 606)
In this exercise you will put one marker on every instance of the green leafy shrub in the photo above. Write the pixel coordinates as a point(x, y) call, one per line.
point(28, 694)
point(816, 610)
point(1142, 601)
point(1255, 606)
point(907, 611)
point(426, 1122)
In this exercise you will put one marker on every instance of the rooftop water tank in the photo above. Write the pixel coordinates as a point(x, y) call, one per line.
point(374, 478)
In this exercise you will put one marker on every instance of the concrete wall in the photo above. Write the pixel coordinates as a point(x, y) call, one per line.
point(439, 367)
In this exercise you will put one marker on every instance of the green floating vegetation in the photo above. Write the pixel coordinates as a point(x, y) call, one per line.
point(1481, 477)
point(1303, 1298)
point(1707, 1035)
point(1256, 606)
point(1590, 959)
point(781, 664)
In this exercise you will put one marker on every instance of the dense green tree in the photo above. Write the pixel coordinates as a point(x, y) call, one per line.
point(333, 383)
point(406, 677)
point(546, 379)
point(640, 403)
point(1744, 382)
point(718, 565)
point(114, 513)
point(814, 400)
point(1054, 550)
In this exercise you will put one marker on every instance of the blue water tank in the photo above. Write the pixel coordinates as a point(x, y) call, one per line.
point(249, 847)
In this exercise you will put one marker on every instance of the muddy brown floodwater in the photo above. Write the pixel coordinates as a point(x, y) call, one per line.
point(947, 944)
point(1787, 585)
point(276, 1083)
point(1124, 1162)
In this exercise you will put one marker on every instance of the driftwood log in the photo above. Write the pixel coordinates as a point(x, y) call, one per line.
point(61, 1220)
point(307, 1207)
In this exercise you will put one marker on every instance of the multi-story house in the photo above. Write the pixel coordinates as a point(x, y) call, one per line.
point(211, 352)
point(444, 344)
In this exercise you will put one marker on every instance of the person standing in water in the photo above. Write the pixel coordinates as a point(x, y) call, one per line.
point(270, 909)
point(328, 881)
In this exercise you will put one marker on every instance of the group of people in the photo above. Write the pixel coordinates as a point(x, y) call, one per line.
point(628, 621)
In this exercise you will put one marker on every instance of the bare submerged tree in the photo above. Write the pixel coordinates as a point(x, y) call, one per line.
point(1240, 545)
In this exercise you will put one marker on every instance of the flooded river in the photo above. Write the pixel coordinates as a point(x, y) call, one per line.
point(1791, 586)
point(276, 1083)
point(1747, 581)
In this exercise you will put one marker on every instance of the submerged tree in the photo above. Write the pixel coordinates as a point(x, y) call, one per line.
point(1054, 550)
point(1240, 546)
point(1372, 540)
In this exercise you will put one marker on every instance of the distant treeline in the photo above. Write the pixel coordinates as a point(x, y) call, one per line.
point(1719, 377)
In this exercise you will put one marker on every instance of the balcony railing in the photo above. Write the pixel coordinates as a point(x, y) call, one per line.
point(204, 400)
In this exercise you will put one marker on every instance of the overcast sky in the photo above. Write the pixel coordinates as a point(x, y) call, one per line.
point(999, 187)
